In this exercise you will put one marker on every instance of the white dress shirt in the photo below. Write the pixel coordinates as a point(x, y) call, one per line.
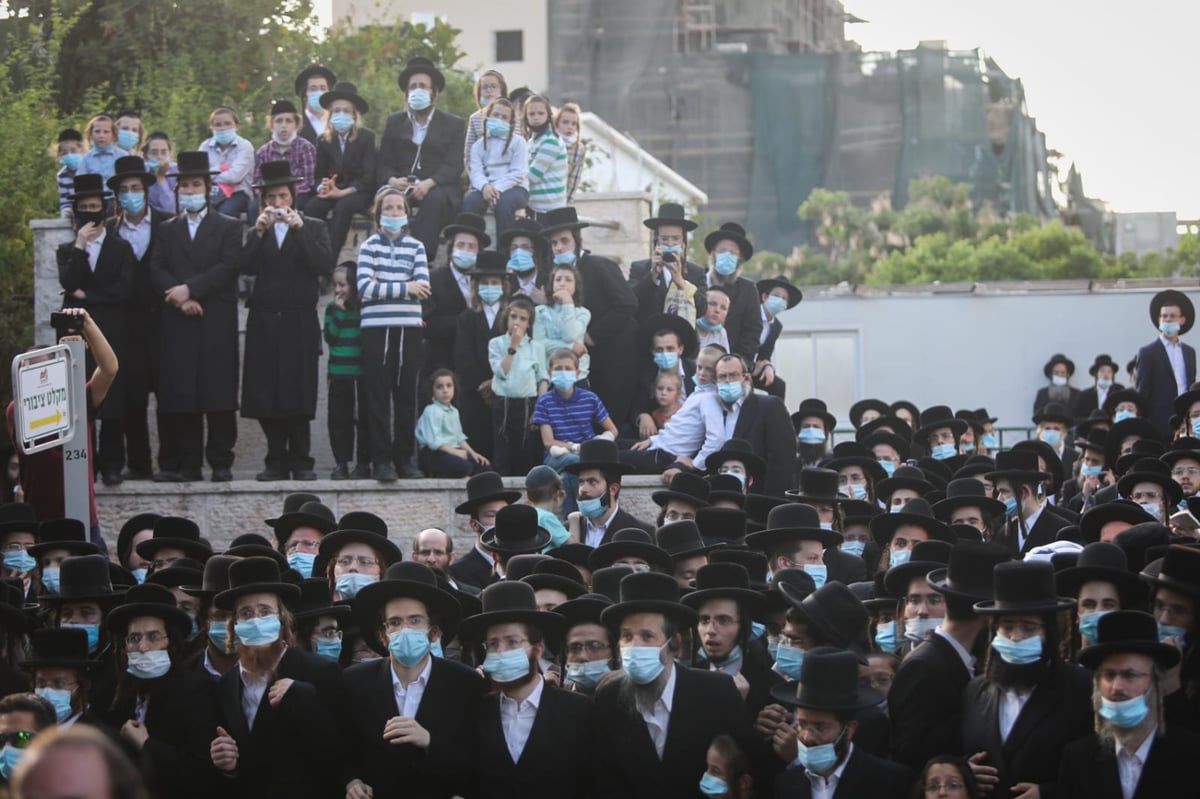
point(1130, 764)
point(317, 121)
point(731, 417)
point(463, 280)
point(527, 287)
point(281, 230)
point(826, 787)
point(92, 248)
point(1175, 356)
point(594, 533)
point(408, 699)
point(137, 234)
point(193, 222)
point(658, 717)
point(1030, 521)
point(516, 719)
point(420, 129)
point(685, 433)
point(489, 313)
point(253, 688)
point(1011, 704)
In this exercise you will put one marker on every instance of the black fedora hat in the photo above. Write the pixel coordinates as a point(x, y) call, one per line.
point(828, 681)
point(1176, 298)
point(313, 71)
point(556, 219)
point(814, 407)
point(1094, 439)
point(970, 571)
point(1054, 412)
point(88, 185)
point(648, 592)
point(726, 488)
point(725, 581)
point(607, 581)
point(734, 232)
point(1143, 543)
point(84, 578)
point(1103, 360)
point(857, 410)
point(975, 466)
point(1103, 562)
point(689, 340)
point(966, 492)
point(799, 582)
point(1023, 587)
point(909, 477)
point(1115, 398)
point(795, 295)
point(311, 514)
point(574, 553)
point(759, 507)
point(60, 648)
point(18, 517)
point(490, 263)
point(409, 580)
point(1144, 429)
point(927, 556)
point(1141, 450)
point(737, 449)
point(1052, 462)
point(215, 578)
point(681, 540)
point(859, 511)
point(632, 542)
point(184, 571)
point(935, 418)
point(148, 600)
point(248, 545)
point(1180, 570)
point(315, 602)
point(292, 503)
point(130, 166)
point(670, 214)
point(685, 487)
point(1056, 359)
point(792, 521)
point(13, 610)
point(753, 561)
point(176, 532)
point(816, 485)
point(516, 532)
point(556, 575)
point(345, 90)
point(132, 526)
point(255, 576)
point(420, 65)
point(467, 222)
point(903, 446)
point(509, 602)
point(722, 526)
point(584, 609)
point(834, 612)
point(599, 453)
point(1128, 631)
point(65, 534)
point(483, 488)
point(1184, 401)
point(373, 532)
point(521, 566)
point(886, 424)
point(192, 164)
point(916, 513)
point(1151, 470)
point(853, 453)
point(277, 173)
point(529, 228)
point(1020, 465)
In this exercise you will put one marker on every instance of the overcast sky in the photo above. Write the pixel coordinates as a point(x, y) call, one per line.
point(1115, 95)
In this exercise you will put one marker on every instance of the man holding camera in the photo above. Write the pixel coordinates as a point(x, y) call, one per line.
point(668, 267)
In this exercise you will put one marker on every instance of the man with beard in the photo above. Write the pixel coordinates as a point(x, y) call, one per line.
point(275, 710)
point(1029, 704)
point(814, 425)
point(1132, 753)
point(1058, 370)
point(531, 739)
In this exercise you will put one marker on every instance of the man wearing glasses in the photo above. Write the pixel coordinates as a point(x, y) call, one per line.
point(22, 718)
point(757, 418)
point(298, 535)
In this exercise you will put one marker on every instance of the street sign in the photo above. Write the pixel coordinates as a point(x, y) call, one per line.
point(44, 402)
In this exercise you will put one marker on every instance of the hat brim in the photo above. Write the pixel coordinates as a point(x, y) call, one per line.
point(1019, 475)
point(435, 74)
point(756, 465)
point(114, 183)
point(474, 627)
point(556, 582)
point(865, 696)
point(61, 663)
point(172, 576)
point(897, 578)
point(770, 539)
point(1070, 581)
point(195, 550)
point(528, 546)
point(1050, 364)
point(958, 426)
point(485, 241)
point(885, 488)
point(795, 295)
point(582, 610)
point(1173, 297)
point(468, 507)
point(1172, 489)
point(546, 232)
point(104, 600)
point(939, 580)
point(334, 541)
point(993, 607)
point(885, 525)
point(754, 601)
point(870, 465)
point(689, 340)
point(805, 413)
point(118, 618)
point(192, 173)
point(1164, 655)
point(607, 466)
point(947, 506)
point(301, 82)
point(338, 610)
point(280, 181)
point(72, 547)
point(286, 524)
point(607, 554)
point(374, 597)
point(288, 593)
point(360, 105)
point(742, 242)
point(664, 496)
point(655, 222)
point(682, 615)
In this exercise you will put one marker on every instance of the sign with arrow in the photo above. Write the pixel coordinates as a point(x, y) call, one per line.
point(43, 403)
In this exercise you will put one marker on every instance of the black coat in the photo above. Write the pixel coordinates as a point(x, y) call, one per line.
point(705, 705)
point(766, 350)
point(1156, 381)
point(651, 294)
point(13, 681)
point(743, 323)
point(864, 776)
point(441, 313)
point(440, 156)
point(1043, 396)
point(612, 331)
point(1057, 712)
point(139, 368)
point(925, 704)
point(1089, 399)
point(473, 569)
point(283, 331)
point(198, 364)
point(1044, 531)
point(354, 168)
point(620, 521)
point(1089, 769)
point(288, 752)
point(765, 423)
point(449, 711)
point(557, 758)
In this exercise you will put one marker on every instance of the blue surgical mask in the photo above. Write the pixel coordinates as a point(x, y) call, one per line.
point(990, 441)
point(60, 698)
point(917, 630)
point(1088, 625)
point(224, 137)
point(757, 629)
point(773, 646)
point(464, 260)
point(703, 386)
point(19, 561)
point(1104, 384)
point(392, 225)
point(788, 660)
point(811, 435)
point(671, 249)
point(707, 326)
point(899, 557)
point(330, 649)
point(1058, 380)
point(126, 139)
point(643, 664)
point(1052, 437)
point(140, 575)
point(741, 478)
point(857, 491)
point(895, 509)
point(666, 361)
point(943, 452)
point(565, 258)
point(521, 261)
point(1010, 507)
point(1168, 328)
point(259, 631)
point(498, 128)
point(1126, 714)
point(776, 305)
point(419, 99)
point(855, 548)
point(730, 392)
point(70, 160)
point(1166, 631)
point(9, 757)
point(563, 381)
point(586, 675)
point(713, 786)
point(1090, 471)
point(966, 447)
point(490, 295)
point(889, 467)
point(148, 665)
point(435, 649)
point(218, 634)
point(152, 165)
point(348, 585)
point(1153, 508)
point(825, 526)
point(105, 149)
point(506, 667)
point(342, 121)
point(818, 572)
point(818, 759)
point(314, 101)
point(1124, 414)
point(302, 562)
point(409, 646)
point(93, 634)
point(133, 202)
point(726, 263)
point(885, 636)
point(1196, 427)
point(50, 579)
point(592, 508)
point(1027, 650)
point(193, 203)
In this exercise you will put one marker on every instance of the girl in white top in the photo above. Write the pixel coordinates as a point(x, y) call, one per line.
point(499, 168)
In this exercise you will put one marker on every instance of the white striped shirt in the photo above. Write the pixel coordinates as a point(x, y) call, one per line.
point(385, 268)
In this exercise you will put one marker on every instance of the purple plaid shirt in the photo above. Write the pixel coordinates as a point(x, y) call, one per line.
point(302, 155)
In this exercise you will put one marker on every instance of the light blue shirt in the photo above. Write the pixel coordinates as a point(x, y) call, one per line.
point(439, 426)
point(528, 367)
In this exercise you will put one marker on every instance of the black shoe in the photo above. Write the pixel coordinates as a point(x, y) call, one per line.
point(191, 477)
point(340, 472)
point(137, 474)
point(362, 471)
point(410, 472)
point(385, 473)
point(267, 475)
point(111, 476)
point(167, 477)
point(223, 474)
point(304, 474)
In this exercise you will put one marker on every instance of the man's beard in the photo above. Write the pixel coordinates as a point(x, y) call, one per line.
point(1059, 393)
point(811, 453)
point(260, 660)
point(1017, 675)
point(1110, 734)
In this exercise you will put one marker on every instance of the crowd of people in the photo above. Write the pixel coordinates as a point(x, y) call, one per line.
point(914, 612)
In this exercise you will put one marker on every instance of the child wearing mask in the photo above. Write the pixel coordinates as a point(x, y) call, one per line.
point(444, 448)
point(286, 144)
point(474, 328)
point(232, 158)
point(130, 131)
point(488, 87)
point(547, 158)
point(70, 154)
point(499, 168)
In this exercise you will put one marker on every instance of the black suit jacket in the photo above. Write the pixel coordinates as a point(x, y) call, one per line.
point(612, 331)
point(557, 758)
point(287, 752)
point(766, 350)
point(622, 520)
point(925, 704)
point(1057, 712)
point(441, 313)
point(473, 569)
point(448, 710)
point(744, 320)
point(1043, 396)
point(864, 776)
point(1044, 531)
point(354, 168)
point(1089, 399)
point(1156, 381)
point(705, 705)
point(765, 423)
point(651, 295)
point(440, 156)
point(1089, 770)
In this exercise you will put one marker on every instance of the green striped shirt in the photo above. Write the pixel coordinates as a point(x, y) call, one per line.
point(344, 338)
point(547, 173)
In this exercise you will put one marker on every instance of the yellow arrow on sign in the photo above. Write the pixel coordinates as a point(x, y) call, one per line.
point(55, 419)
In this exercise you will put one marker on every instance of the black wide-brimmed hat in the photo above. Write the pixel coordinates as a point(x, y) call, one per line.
point(556, 219)
point(277, 173)
point(814, 407)
point(574, 553)
point(248, 545)
point(311, 514)
point(737, 449)
point(1058, 358)
point(483, 488)
point(935, 418)
point(670, 214)
point(886, 424)
point(467, 222)
point(792, 521)
point(18, 517)
point(689, 340)
point(84, 578)
point(862, 406)
point(917, 513)
point(852, 453)
point(130, 166)
point(722, 526)
point(795, 295)
point(833, 610)
point(148, 600)
point(176, 532)
point(66, 534)
point(193, 164)
point(753, 561)
point(60, 648)
point(516, 532)
point(799, 582)
point(409, 580)
point(734, 232)
point(927, 556)
point(599, 453)
point(1180, 570)
point(215, 578)
point(490, 263)
point(681, 540)
point(509, 602)
point(1103, 360)
point(970, 571)
point(1128, 631)
point(15, 615)
point(909, 477)
point(1115, 398)
point(828, 681)
point(584, 609)
point(256, 576)
point(292, 503)
point(1023, 587)
point(1144, 429)
point(902, 445)
point(1177, 298)
point(420, 65)
point(726, 488)
point(1054, 412)
point(858, 511)
point(357, 527)
point(530, 228)
point(1103, 562)
point(132, 526)
point(1184, 401)
point(88, 185)
point(607, 581)
point(521, 566)
point(966, 492)
point(345, 90)
point(184, 571)
point(632, 542)
point(725, 581)
point(316, 602)
point(556, 575)
point(684, 487)
point(649, 592)
point(1095, 439)
point(1151, 470)
point(1018, 465)
point(313, 71)
point(816, 485)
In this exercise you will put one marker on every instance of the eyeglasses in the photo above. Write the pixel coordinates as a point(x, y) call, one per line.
point(591, 647)
point(363, 562)
point(1189, 471)
point(307, 546)
point(504, 644)
point(262, 612)
point(731, 377)
point(1128, 675)
point(879, 682)
point(938, 787)
point(154, 637)
point(13, 547)
point(328, 634)
point(58, 685)
point(19, 739)
point(720, 621)
point(414, 621)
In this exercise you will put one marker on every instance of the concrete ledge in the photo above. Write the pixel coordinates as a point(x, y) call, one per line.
point(226, 510)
